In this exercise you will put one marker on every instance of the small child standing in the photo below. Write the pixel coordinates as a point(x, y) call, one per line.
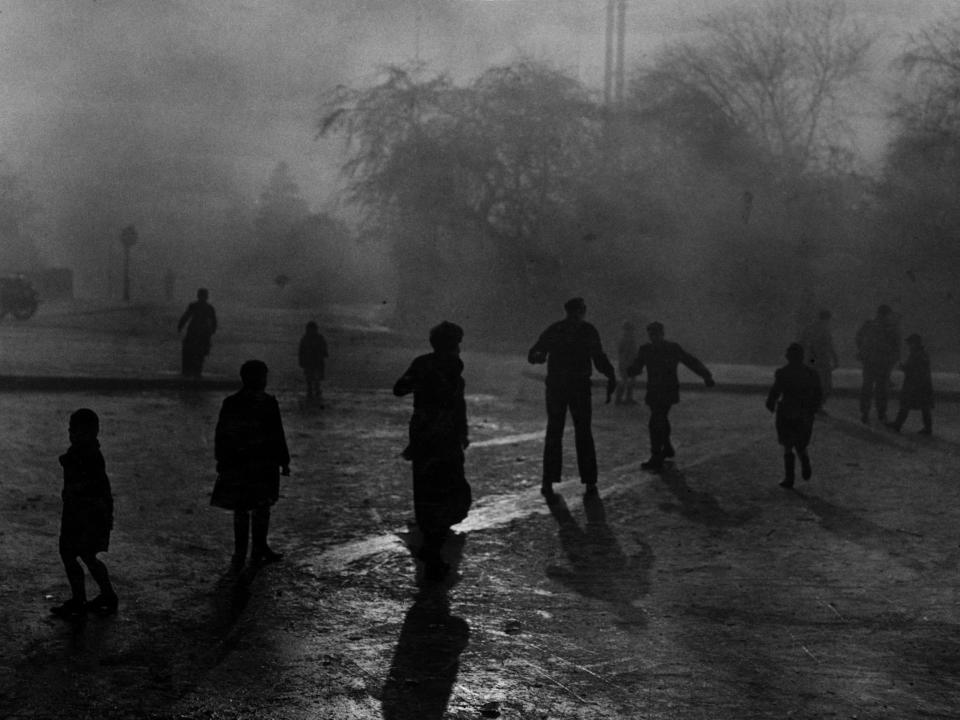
point(87, 517)
point(917, 391)
point(313, 355)
point(797, 387)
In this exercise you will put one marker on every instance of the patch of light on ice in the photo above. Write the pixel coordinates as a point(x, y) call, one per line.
point(509, 439)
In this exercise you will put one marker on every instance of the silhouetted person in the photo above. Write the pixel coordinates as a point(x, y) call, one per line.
point(661, 357)
point(917, 390)
point(312, 356)
point(626, 352)
point(797, 388)
point(87, 517)
point(878, 349)
point(817, 342)
point(201, 321)
point(438, 437)
point(569, 347)
point(251, 453)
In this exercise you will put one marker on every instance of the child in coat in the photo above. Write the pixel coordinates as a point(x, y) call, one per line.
point(797, 388)
point(87, 518)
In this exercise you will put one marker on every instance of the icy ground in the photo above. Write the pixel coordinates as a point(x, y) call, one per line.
point(705, 592)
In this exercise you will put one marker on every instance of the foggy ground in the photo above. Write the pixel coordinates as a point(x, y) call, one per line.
point(707, 592)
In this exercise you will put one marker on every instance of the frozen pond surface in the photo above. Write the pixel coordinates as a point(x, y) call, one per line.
point(707, 591)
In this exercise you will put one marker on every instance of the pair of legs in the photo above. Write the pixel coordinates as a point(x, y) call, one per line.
point(625, 389)
point(901, 418)
point(574, 397)
point(875, 386)
point(106, 601)
point(794, 434)
point(252, 524)
point(659, 428)
point(313, 378)
point(191, 360)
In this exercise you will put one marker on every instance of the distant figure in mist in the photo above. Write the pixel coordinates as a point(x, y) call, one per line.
point(438, 436)
point(917, 390)
point(817, 342)
point(251, 453)
point(795, 397)
point(87, 518)
point(312, 355)
point(568, 347)
point(201, 321)
point(661, 357)
point(626, 352)
point(878, 349)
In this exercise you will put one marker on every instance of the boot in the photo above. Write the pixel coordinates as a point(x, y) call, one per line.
point(805, 470)
point(789, 462)
point(261, 552)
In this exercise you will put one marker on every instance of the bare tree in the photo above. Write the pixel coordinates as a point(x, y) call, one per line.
point(777, 72)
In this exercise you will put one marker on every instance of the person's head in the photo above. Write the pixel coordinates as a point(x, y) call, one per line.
point(575, 308)
point(915, 342)
point(794, 353)
point(655, 332)
point(446, 337)
point(84, 425)
point(312, 327)
point(253, 375)
point(203, 294)
point(825, 315)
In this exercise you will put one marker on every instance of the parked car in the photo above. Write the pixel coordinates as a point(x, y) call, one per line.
point(17, 297)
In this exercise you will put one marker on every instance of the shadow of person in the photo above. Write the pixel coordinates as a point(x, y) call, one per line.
point(426, 660)
point(848, 525)
point(696, 505)
point(598, 566)
point(230, 597)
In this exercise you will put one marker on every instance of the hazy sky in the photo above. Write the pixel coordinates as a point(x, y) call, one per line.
point(125, 106)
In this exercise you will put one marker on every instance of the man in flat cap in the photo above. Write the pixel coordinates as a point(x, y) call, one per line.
point(569, 347)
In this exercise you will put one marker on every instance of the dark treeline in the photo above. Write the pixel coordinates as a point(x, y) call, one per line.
point(724, 192)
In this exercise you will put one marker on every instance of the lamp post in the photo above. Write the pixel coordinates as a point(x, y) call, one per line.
point(128, 238)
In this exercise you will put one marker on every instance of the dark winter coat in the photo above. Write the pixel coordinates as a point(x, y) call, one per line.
point(797, 388)
point(87, 517)
point(438, 436)
point(661, 361)
point(917, 390)
point(313, 353)
point(878, 344)
point(570, 346)
point(202, 319)
point(250, 448)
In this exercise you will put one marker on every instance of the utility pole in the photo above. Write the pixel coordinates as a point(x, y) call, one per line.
point(613, 75)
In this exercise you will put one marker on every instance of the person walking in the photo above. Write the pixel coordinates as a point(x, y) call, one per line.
point(661, 358)
point(917, 390)
point(796, 397)
point(817, 341)
point(312, 357)
point(200, 319)
point(251, 453)
point(878, 350)
point(568, 347)
point(438, 437)
point(87, 518)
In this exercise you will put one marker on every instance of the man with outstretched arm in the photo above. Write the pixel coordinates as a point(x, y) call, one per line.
point(569, 347)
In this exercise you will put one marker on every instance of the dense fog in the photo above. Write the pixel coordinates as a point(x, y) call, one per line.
point(200, 124)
